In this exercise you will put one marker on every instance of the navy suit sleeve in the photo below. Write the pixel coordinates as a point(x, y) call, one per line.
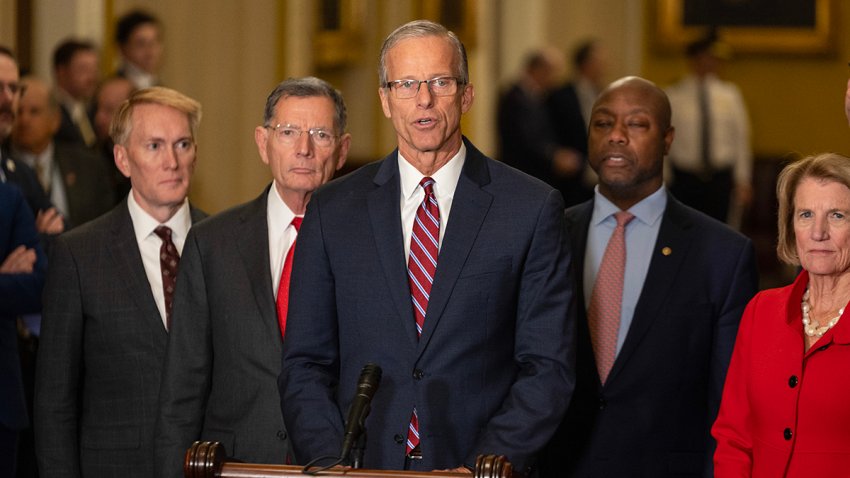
point(310, 358)
point(742, 288)
point(20, 293)
point(187, 372)
point(544, 348)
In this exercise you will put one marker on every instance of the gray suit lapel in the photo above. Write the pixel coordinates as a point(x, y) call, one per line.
point(385, 219)
point(125, 252)
point(469, 208)
point(252, 240)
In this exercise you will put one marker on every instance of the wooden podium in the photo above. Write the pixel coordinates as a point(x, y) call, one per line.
point(209, 460)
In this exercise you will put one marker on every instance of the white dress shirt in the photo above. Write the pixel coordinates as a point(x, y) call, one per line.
point(281, 234)
point(730, 127)
point(150, 243)
point(412, 194)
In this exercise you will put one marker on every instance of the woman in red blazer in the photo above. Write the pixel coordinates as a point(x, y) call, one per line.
point(785, 408)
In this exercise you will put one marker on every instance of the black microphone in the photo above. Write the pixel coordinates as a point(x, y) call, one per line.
point(370, 378)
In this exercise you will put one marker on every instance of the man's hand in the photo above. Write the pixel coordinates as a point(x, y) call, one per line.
point(19, 261)
point(49, 221)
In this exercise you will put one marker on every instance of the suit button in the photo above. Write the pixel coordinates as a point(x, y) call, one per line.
point(602, 404)
point(281, 434)
point(398, 438)
point(792, 382)
point(823, 348)
point(418, 374)
point(787, 434)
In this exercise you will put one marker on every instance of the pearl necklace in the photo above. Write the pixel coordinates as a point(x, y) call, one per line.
point(816, 330)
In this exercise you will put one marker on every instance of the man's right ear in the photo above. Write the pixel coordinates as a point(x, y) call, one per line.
point(122, 161)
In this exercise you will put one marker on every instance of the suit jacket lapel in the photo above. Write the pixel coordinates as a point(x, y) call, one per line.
point(660, 278)
point(254, 253)
point(125, 251)
point(469, 208)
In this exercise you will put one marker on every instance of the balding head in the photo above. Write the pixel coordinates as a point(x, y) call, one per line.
point(629, 135)
point(38, 117)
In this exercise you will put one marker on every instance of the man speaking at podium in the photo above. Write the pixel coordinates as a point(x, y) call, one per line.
point(445, 268)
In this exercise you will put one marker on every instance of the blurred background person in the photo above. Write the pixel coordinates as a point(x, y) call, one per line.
point(711, 159)
point(569, 109)
point(784, 410)
point(110, 94)
point(139, 38)
point(72, 175)
point(526, 135)
point(75, 67)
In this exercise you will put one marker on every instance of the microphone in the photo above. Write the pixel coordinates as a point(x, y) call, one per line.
point(370, 378)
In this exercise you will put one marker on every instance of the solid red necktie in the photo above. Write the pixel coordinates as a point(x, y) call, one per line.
point(169, 259)
point(606, 300)
point(283, 287)
point(421, 267)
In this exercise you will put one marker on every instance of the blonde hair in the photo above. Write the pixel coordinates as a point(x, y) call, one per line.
point(827, 167)
point(122, 125)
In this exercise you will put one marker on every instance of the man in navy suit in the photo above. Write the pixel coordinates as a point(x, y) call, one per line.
point(686, 282)
point(491, 370)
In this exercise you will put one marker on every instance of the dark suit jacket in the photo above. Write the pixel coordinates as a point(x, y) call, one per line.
point(86, 180)
point(570, 131)
point(493, 369)
point(21, 175)
point(219, 381)
point(68, 131)
point(653, 415)
point(19, 294)
point(526, 138)
point(100, 356)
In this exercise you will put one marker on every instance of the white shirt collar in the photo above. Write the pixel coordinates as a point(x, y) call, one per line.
point(445, 178)
point(144, 224)
point(279, 216)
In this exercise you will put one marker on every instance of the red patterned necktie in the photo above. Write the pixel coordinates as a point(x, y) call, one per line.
point(283, 287)
point(603, 314)
point(421, 266)
point(169, 259)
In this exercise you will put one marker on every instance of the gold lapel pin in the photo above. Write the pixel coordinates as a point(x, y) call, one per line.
point(666, 251)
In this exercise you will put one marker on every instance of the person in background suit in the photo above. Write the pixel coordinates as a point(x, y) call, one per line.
point(652, 354)
point(139, 38)
point(73, 175)
point(110, 94)
point(220, 377)
point(75, 68)
point(48, 219)
point(492, 369)
point(107, 301)
point(569, 111)
point(527, 138)
point(22, 268)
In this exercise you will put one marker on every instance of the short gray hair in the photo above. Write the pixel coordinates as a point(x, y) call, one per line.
point(420, 29)
point(306, 87)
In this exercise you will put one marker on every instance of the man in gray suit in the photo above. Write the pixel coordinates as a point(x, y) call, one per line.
point(106, 301)
point(220, 376)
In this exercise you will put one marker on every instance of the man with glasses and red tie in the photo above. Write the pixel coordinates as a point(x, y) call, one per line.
point(230, 308)
point(445, 268)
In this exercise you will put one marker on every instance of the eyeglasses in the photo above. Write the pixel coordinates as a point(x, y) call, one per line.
point(12, 88)
point(441, 86)
point(288, 134)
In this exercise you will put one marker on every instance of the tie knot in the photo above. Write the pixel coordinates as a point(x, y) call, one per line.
point(427, 184)
point(296, 222)
point(164, 233)
point(623, 218)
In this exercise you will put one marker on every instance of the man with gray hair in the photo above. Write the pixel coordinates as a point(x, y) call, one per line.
point(445, 268)
point(230, 310)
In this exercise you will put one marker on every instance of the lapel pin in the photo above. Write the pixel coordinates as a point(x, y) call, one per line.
point(666, 251)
